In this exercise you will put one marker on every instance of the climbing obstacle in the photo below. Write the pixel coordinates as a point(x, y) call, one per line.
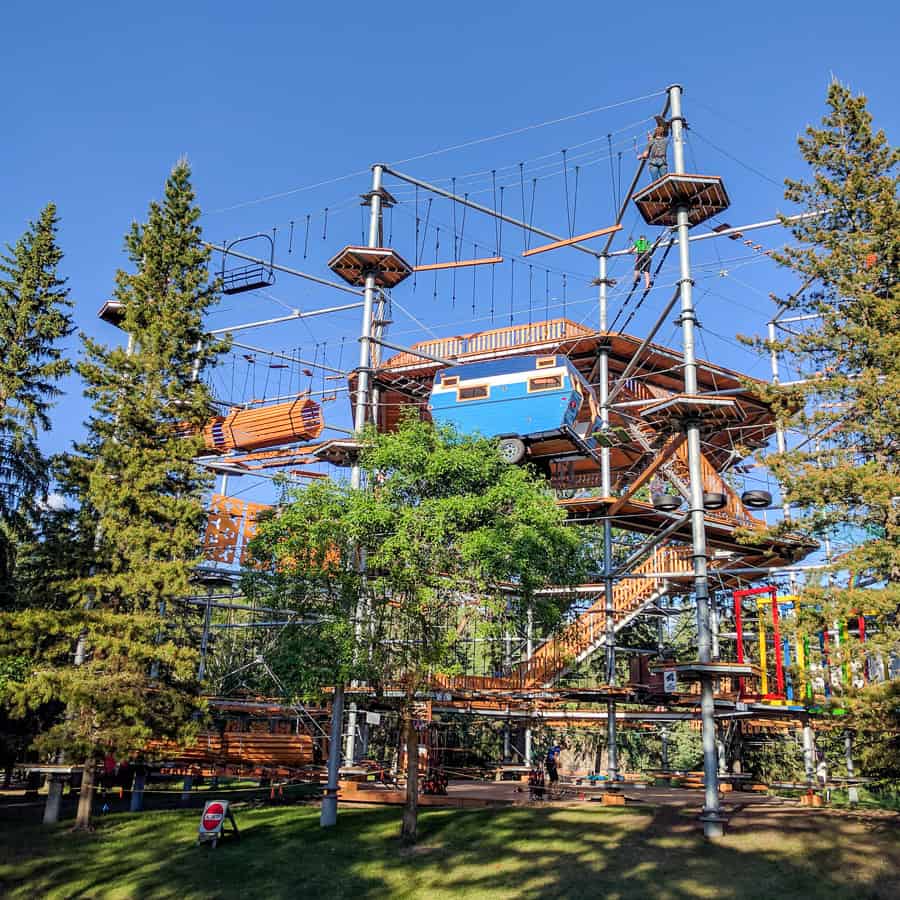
point(273, 425)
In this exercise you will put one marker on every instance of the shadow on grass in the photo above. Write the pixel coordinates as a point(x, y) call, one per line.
point(514, 852)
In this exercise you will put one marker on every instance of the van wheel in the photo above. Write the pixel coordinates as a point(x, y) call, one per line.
point(512, 450)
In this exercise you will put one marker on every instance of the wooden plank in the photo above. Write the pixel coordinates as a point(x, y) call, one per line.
point(459, 264)
point(572, 240)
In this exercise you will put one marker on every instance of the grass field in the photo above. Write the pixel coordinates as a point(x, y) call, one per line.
point(498, 853)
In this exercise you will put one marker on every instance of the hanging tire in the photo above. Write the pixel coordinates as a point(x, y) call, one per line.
point(713, 500)
point(756, 499)
point(512, 450)
point(565, 493)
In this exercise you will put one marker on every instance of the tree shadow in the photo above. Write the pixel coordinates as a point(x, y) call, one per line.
point(520, 852)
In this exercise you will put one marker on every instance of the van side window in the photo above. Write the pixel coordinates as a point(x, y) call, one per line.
point(450, 380)
point(545, 383)
point(473, 392)
point(545, 362)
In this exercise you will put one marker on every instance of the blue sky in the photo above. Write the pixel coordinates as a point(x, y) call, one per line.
point(269, 98)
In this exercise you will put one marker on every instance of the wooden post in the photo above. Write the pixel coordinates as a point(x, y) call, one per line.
point(85, 797)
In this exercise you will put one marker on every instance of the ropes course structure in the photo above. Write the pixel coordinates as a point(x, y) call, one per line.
point(655, 428)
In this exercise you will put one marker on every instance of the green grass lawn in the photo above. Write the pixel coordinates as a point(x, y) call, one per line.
point(510, 852)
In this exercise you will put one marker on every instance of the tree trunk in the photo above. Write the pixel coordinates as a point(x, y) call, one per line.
point(410, 823)
point(85, 797)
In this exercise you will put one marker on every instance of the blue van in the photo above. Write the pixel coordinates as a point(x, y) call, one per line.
point(526, 401)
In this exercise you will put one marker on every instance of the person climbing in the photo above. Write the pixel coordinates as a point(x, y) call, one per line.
point(657, 150)
point(642, 255)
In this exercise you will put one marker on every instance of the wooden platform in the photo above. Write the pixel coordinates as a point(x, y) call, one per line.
point(354, 264)
point(112, 312)
point(694, 670)
point(703, 195)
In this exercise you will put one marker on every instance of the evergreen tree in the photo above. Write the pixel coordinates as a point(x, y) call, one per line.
point(132, 676)
point(34, 320)
point(445, 528)
point(845, 479)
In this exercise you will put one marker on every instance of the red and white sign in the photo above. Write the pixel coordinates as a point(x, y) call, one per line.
point(213, 816)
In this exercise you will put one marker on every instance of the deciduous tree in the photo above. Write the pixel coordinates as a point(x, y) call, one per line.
point(384, 575)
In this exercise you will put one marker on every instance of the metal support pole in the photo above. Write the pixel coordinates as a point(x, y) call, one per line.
point(606, 479)
point(359, 421)
point(713, 821)
point(204, 637)
point(852, 789)
point(529, 652)
point(365, 346)
point(779, 428)
point(328, 816)
point(350, 737)
point(809, 753)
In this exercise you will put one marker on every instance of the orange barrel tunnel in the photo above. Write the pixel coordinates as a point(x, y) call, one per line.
point(299, 419)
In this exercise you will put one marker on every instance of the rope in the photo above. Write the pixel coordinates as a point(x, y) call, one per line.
point(437, 248)
point(525, 235)
point(575, 202)
point(647, 291)
point(733, 158)
point(474, 278)
point(526, 128)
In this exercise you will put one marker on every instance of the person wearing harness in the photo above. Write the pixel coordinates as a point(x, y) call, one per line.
point(642, 256)
point(657, 150)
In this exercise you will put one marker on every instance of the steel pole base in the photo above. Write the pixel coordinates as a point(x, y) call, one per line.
point(328, 815)
point(713, 823)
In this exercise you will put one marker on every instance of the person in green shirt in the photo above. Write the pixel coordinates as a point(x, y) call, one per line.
point(642, 255)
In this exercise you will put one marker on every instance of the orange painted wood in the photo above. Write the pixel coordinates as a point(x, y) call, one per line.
point(572, 240)
point(459, 264)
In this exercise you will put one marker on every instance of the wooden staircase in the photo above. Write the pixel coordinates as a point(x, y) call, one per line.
point(587, 632)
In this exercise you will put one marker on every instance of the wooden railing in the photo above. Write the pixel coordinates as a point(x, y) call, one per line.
point(514, 336)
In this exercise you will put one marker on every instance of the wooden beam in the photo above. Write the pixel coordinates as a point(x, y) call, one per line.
point(459, 264)
point(572, 240)
point(670, 446)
